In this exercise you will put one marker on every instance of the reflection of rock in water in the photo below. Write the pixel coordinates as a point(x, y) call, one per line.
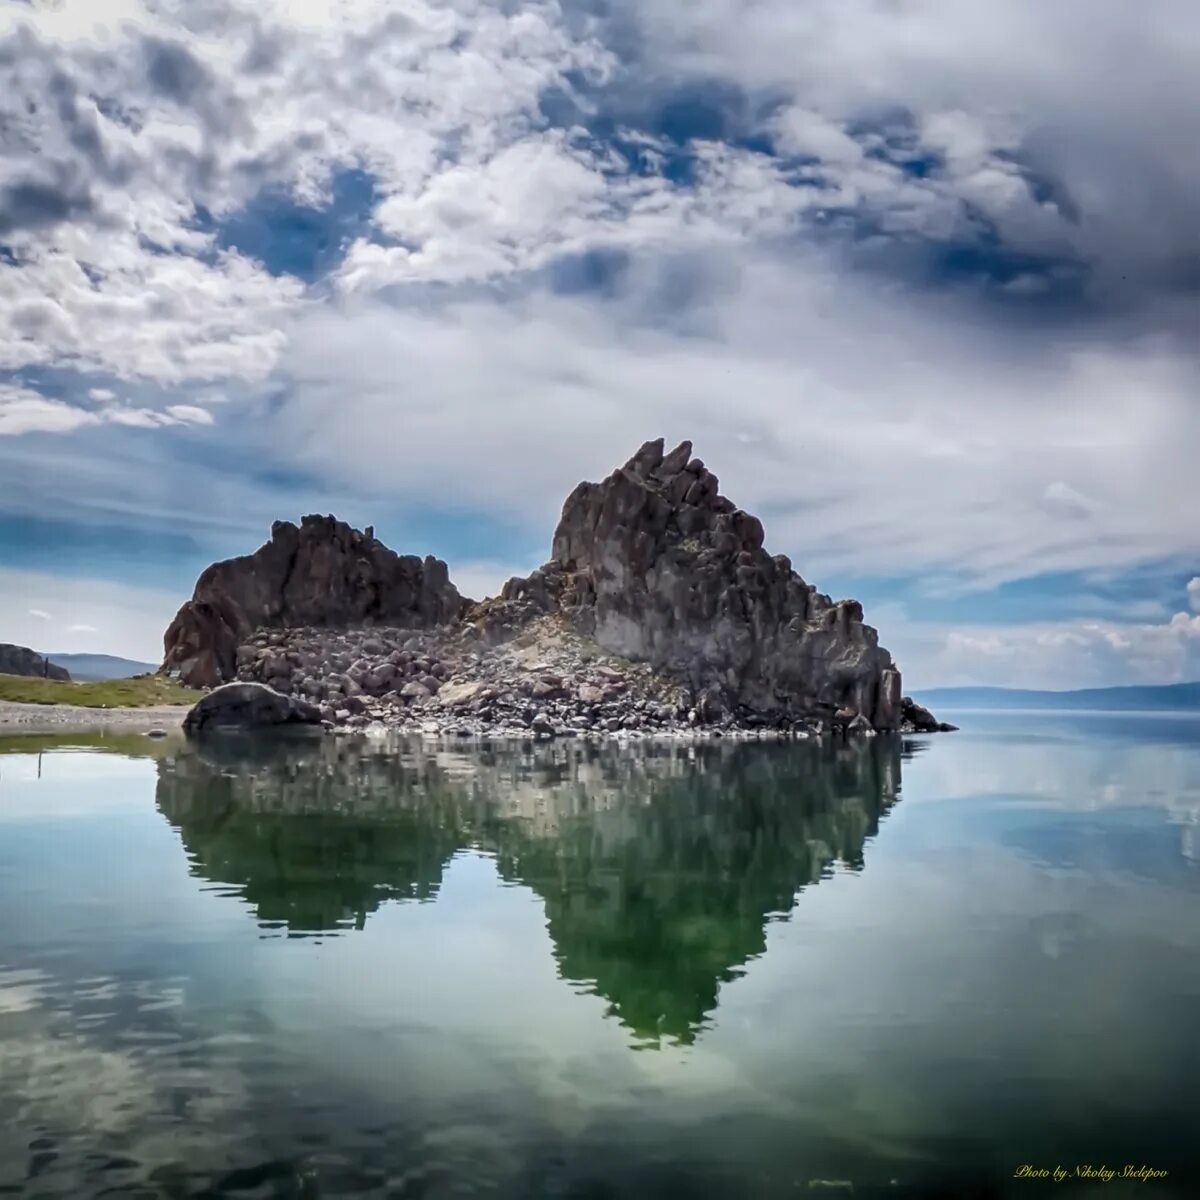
point(658, 866)
point(314, 836)
point(663, 899)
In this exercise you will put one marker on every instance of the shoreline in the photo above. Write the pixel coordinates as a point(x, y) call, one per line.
point(18, 717)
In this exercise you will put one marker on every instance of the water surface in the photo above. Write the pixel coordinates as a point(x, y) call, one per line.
point(351, 968)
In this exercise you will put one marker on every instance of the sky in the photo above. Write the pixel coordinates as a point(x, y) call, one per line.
point(921, 282)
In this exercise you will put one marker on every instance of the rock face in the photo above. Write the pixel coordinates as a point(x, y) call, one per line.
point(321, 573)
point(248, 706)
point(20, 660)
point(655, 565)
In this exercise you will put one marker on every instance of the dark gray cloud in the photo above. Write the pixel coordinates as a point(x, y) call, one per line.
point(174, 73)
point(1065, 134)
point(29, 205)
point(70, 120)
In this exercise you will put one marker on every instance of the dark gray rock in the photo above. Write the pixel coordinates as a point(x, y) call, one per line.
point(20, 660)
point(320, 573)
point(248, 706)
point(916, 718)
point(656, 566)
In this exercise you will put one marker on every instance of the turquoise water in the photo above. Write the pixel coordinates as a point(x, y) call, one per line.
point(348, 968)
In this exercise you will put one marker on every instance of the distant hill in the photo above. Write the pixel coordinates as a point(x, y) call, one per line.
point(91, 667)
point(1171, 697)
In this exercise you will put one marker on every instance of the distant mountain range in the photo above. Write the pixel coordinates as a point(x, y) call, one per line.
point(86, 668)
point(1171, 697)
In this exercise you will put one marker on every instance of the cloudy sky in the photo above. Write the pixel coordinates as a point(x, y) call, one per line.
point(921, 281)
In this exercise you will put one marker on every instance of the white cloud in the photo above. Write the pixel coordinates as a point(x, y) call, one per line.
point(174, 104)
point(82, 629)
point(1067, 499)
point(25, 411)
point(189, 414)
point(1069, 654)
point(136, 418)
point(168, 318)
point(1056, 655)
point(1193, 594)
point(98, 190)
point(40, 614)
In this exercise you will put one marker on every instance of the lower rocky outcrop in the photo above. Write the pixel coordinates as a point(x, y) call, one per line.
point(321, 572)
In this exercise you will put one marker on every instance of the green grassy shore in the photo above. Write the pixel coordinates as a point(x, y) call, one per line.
point(141, 691)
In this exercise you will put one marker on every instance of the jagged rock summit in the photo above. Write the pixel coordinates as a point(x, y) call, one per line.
point(321, 573)
point(657, 566)
point(659, 610)
point(20, 660)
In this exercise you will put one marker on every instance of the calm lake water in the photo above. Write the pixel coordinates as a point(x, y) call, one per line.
point(347, 968)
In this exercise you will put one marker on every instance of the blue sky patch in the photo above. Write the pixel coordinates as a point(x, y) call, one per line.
point(159, 558)
point(289, 238)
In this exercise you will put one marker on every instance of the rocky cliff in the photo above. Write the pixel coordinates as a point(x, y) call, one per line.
point(659, 610)
point(655, 565)
point(320, 573)
point(20, 660)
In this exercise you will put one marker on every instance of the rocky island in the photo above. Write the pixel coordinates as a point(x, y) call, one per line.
point(658, 612)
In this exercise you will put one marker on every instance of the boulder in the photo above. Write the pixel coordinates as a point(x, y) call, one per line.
point(320, 573)
point(460, 695)
point(248, 706)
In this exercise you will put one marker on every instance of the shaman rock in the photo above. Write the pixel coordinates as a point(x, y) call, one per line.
point(655, 565)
